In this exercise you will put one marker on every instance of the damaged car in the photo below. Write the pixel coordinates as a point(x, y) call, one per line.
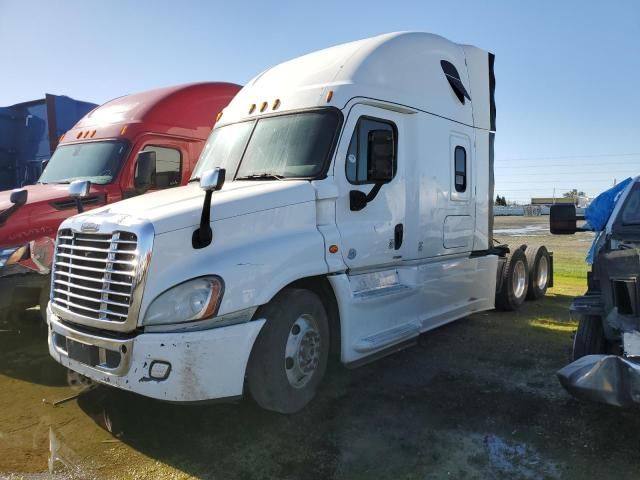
point(606, 348)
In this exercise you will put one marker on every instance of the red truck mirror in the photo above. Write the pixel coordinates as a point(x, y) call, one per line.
point(78, 189)
point(18, 197)
point(145, 171)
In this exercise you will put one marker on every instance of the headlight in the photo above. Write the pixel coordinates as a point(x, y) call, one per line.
point(9, 256)
point(192, 300)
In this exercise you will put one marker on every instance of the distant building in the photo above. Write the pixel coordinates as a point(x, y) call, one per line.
point(547, 201)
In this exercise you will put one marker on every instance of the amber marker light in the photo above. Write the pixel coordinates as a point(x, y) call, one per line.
point(333, 249)
point(61, 137)
point(263, 107)
point(124, 130)
point(93, 134)
point(86, 134)
point(219, 116)
point(79, 135)
point(276, 104)
point(252, 108)
point(329, 96)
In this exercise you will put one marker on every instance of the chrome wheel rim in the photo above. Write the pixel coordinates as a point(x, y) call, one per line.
point(542, 273)
point(519, 280)
point(302, 352)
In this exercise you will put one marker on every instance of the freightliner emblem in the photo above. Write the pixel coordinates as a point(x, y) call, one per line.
point(89, 227)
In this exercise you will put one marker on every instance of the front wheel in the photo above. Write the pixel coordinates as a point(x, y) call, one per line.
point(589, 339)
point(289, 357)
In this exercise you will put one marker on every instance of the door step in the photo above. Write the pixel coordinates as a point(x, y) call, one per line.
point(380, 292)
point(388, 337)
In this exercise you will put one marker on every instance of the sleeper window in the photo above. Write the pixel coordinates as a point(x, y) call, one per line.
point(168, 167)
point(372, 155)
point(460, 166)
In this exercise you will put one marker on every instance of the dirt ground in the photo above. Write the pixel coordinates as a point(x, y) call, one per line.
point(477, 399)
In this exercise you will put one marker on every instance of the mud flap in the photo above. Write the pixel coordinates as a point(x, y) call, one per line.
point(603, 378)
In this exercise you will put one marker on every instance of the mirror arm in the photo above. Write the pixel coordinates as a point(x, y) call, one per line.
point(79, 204)
point(203, 235)
point(374, 192)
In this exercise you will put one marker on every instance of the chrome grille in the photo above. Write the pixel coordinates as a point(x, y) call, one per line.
point(94, 274)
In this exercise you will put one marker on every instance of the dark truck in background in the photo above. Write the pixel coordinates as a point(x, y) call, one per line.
point(29, 134)
point(606, 348)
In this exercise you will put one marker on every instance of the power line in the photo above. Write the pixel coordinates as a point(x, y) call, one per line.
point(563, 157)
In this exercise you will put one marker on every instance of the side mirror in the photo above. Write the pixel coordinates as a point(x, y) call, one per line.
point(78, 189)
point(18, 197)
point(145, 171)
point(563, 220)
point(357, 200)
point(44, 164)
point(380, 153)
point(210, 181)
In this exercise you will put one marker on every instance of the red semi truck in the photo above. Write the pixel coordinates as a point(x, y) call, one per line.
point(128, 146)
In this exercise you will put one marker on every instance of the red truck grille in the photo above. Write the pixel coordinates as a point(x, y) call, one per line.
point(93, 274)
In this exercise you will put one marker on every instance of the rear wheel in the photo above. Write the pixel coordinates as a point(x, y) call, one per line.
point(514, 283)
point(589, 339)
point(539, 263)
point(289, 357)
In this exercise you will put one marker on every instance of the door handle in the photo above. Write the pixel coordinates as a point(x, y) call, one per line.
point(398, 233)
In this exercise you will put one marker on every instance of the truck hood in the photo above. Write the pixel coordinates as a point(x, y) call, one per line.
point(181, 207)
point(37, 194)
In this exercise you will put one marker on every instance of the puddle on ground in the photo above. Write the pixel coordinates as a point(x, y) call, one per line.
point(526, 231)
point(517, 460)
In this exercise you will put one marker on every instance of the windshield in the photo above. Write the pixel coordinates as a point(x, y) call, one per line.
point(98, 162)
point(295, 145)
point(631, 210)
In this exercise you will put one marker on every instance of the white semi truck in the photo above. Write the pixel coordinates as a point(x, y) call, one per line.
point(356, 214)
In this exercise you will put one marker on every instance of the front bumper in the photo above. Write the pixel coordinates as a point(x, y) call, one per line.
point(603, 378)
point(204, 364)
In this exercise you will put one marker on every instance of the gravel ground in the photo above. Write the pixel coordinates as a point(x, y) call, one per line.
point(476, 399)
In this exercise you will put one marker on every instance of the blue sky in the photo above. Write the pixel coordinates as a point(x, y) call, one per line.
point(567, 73)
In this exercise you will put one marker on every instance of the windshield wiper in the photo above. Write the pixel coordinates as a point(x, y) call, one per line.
point(261, 176)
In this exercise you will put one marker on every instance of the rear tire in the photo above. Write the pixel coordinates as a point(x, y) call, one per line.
point(589, 338)
point(289, 357)
point(515, 282)
point(539, 263)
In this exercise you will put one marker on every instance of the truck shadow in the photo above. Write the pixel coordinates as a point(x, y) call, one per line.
point(491, 376)
point(24, 353)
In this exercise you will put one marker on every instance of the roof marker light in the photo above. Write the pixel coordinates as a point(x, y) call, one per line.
point(276, 104)
point(86, 134)
point(263, 107)
point(252, 108)
point(329, 96)
point(61, 137)
point(79, 134)
point(93, 134)
point(219, 116)
point(124, 130)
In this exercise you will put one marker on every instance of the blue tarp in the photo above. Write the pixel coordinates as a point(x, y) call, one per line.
point(598, 212)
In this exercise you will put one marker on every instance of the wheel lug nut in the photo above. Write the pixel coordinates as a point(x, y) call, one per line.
point(288, 363)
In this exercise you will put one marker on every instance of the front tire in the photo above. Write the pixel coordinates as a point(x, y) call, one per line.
point(289, 357)
point(589, 339)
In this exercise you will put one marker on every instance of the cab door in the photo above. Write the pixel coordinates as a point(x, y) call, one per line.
point(370, 173)
point(170, 169)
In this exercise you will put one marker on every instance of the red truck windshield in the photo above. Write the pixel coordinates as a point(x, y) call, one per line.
point(98, 162)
